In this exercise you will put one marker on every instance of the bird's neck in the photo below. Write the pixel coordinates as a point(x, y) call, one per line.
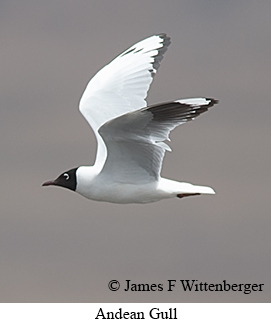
point(84, 178)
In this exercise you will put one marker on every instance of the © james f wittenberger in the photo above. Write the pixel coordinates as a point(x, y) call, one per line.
point(187, 285)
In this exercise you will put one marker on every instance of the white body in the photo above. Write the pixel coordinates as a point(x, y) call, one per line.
point(94, 187)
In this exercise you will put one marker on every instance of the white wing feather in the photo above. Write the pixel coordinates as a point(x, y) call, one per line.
point(121, 86)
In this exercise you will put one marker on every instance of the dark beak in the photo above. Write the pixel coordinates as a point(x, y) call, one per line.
point(49, 183)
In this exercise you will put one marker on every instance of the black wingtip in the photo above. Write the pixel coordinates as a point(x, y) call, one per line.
point(161, 51)
point(166, 38)
point(212, 102)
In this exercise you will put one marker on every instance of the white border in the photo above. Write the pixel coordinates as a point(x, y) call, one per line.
point(83, 313)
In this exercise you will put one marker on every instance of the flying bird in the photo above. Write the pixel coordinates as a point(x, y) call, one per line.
point(130, 134)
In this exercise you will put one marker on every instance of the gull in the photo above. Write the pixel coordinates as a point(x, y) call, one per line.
point(130, 134)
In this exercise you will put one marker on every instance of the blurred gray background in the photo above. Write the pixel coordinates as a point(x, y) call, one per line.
point(56, 246)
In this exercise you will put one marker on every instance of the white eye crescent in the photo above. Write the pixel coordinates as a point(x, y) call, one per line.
point(66, 176)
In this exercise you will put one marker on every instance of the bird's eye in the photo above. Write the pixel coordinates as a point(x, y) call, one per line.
point(66, 176)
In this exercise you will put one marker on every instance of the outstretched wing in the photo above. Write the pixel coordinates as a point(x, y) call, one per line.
point(135, 141)
point(122, 85)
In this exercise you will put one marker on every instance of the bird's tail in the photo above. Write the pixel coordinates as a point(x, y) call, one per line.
point(181, 189)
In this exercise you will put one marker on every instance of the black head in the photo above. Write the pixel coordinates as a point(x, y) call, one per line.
point(67, 180)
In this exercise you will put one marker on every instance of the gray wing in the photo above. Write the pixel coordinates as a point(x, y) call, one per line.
point(135, 141)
